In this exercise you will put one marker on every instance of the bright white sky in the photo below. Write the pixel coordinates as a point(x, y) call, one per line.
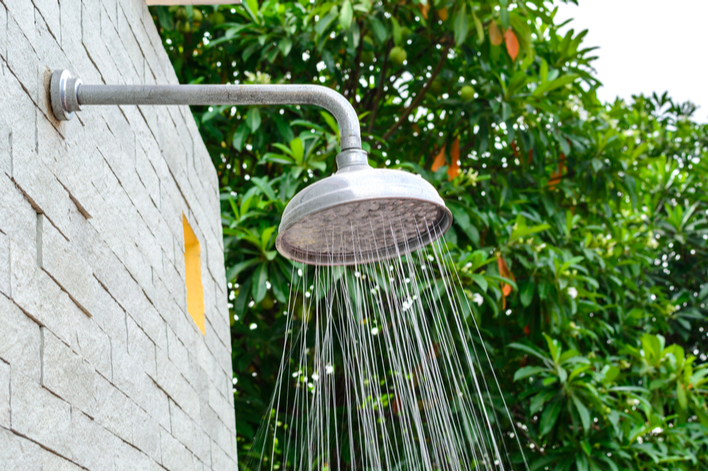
point(647, 46)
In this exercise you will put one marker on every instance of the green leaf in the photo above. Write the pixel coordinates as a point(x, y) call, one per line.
point(165, 18)
point(681, 396)
point(263, 184)
point(527, 293)
point(587, 449)
point(298, 150)
point(504, 17)
point(554, 84)
point(284, 148)
point(284, 128)
point(461, 25)
point(242, 298)
point(521, 230)
point(240, 137)
point(396, 31)
point(539, 400)
point(234, 271)
point(379, 29)
point(478, 26)
point(579, 370)
point(266, 236)
point(461, 218)
point(569, 355)
point(549, 417)
point(530, 350)
point(260, 276)
point(528, 372)
point(553, 347)
point(253, 119)
point(610, 373)
point(702, 416)
point(278, 158)
point(330, 121)
point(252, 7)
point(651, 346)
point(285, 45)
point(324, 23)
point(346, 15)
point(480, 280)
point(583, 412)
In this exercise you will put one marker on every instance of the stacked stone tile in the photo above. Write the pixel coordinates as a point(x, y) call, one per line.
point(101, 366)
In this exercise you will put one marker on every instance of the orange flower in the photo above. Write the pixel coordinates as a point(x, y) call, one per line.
point(454, 168)
point(512, 44)
point(439, 160)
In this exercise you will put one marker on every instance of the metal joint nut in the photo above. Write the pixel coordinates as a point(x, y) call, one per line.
point(352, 157)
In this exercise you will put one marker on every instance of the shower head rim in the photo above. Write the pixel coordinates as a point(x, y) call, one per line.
point(418, 241)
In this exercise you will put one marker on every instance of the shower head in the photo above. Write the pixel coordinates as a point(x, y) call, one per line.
point(361, 214)
point(358, 215)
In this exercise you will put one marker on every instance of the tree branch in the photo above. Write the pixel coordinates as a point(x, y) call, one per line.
point(392, 78)
point(421, 94)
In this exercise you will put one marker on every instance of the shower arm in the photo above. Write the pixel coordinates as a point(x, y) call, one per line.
point(68, 95)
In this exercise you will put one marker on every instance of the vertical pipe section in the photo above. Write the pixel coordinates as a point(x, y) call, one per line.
point(333, 102)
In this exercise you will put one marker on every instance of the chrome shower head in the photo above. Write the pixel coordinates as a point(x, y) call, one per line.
point(361, 214)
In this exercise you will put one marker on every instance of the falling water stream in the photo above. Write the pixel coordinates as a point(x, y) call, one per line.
point(384, 368)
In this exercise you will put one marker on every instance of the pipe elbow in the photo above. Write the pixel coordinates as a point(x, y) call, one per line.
point(343, 112)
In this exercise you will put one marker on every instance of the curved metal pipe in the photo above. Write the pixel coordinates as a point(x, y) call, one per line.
point(69, 94)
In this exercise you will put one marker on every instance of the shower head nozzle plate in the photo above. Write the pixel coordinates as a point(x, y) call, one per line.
point(362, 215)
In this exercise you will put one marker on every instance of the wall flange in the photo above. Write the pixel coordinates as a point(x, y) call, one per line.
point(63, 91)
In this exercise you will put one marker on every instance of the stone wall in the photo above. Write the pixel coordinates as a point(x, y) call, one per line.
point(101, 365)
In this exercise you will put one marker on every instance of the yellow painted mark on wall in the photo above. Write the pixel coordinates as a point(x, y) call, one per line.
point(193, 272)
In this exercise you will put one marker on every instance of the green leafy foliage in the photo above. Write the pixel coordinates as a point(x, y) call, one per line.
point(580, 229)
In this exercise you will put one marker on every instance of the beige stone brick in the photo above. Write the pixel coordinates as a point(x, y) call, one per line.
point(114, 410)
point(22, 12)
point(175, 455)
point(22, 58)
point(33, 408)
point(141, 348)
point(51, 461)
point(130, 43)
point(93, 343)
point(176, 386)
point(18, 453)
point(58, 259)
point(92, 446)
point(220, 460)
point(40, 297)
point(20, 340)
point(146, 433)
point(67, 374)
point(48, 11)
point(17, 218)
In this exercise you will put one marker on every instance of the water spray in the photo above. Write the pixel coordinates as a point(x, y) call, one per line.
point(407, 365)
